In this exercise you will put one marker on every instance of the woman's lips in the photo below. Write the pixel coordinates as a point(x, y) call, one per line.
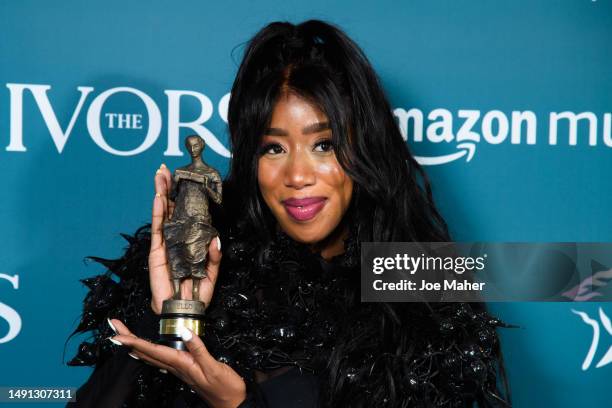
point(304, 209)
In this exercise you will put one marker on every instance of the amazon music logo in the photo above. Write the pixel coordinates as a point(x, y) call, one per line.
point(496, 127)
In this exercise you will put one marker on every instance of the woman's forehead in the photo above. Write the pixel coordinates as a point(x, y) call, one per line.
point(298, 108)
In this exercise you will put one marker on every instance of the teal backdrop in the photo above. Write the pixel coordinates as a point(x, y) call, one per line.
point(514, 97)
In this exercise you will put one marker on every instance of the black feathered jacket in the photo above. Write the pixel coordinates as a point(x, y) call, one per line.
point(280, 305)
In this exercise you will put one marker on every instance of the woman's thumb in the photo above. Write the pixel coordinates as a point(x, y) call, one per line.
point(198, 350)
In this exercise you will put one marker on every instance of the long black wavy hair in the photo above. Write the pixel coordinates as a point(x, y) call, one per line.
point(392, 197)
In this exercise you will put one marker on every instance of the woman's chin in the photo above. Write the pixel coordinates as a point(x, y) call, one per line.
point(304, 234)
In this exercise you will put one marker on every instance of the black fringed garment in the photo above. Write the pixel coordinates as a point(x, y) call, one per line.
point(285, 306)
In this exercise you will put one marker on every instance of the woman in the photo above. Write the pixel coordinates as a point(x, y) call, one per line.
point(318, 167)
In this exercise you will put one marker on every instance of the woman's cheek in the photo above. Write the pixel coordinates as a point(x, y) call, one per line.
point(329, 170)
point(339, 180)
point(269, 177)
point(332, 173)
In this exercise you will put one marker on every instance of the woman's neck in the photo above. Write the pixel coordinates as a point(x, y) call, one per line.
point(334, 243)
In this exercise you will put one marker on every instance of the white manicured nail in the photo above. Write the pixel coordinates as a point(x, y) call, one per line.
point(219, 244)
point(186, 334)
point(111, 325)
point(134, 356)
point(163, 371)
point(117, 342)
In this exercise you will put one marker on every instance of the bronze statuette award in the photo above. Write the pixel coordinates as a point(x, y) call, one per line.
point(187, 235)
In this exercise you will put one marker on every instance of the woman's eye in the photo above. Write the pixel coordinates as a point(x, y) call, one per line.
point(324, 146)
point(271, 148)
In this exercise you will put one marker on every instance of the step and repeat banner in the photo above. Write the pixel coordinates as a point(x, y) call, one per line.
point(507, 104)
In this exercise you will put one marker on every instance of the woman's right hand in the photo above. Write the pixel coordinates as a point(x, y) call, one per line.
point(215, 382)
point(159, 272)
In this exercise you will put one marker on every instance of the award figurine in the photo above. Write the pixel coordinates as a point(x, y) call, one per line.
point(187, 235)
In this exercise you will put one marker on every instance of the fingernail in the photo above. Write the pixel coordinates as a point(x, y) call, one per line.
point(117, 342)
point(186, 334)
point(157, 171)
point(163, 371)
point(157, 195)
point(218, 244)
point(163, 166)
point(111, 325)
point(134, 356)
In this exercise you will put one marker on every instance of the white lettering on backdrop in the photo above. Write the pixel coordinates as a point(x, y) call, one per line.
point(8, 313)
point(493, 127)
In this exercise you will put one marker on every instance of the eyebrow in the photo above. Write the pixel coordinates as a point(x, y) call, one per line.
point(312, 128)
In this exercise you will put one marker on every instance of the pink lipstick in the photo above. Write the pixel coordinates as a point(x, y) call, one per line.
point(304, 209)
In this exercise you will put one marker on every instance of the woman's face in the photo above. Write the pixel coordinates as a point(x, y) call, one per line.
point(299, 177)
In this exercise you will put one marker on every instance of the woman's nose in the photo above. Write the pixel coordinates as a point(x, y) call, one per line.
point(299, 171)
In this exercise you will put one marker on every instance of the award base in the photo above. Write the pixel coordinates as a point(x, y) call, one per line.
point(179, 313)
